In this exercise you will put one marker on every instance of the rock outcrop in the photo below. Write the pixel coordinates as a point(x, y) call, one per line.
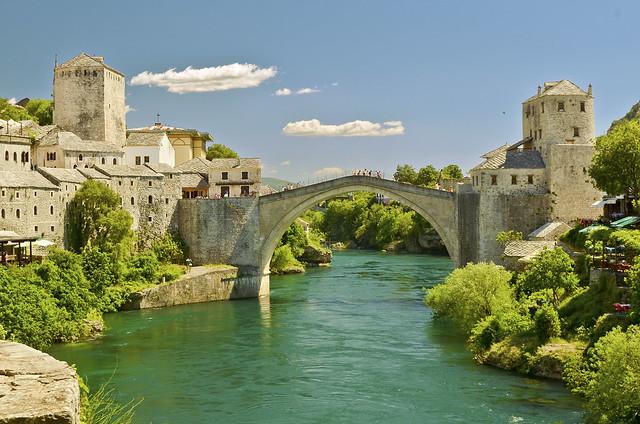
point(36, 388)
point(314, 255)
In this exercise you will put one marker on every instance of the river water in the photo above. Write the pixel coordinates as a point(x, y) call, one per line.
point(351, 344)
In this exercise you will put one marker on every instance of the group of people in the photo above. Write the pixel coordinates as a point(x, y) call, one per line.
point(368, 173)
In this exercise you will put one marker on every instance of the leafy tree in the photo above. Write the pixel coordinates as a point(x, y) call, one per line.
point(405, 174)
point(98, 269)
point(550, 270)
point(41, 110)
point(496, 328)
point(143, 267)
point(615, 167)
point(472, 293)
point(504, 237)
point(284, 261)
point(218, 151)
point(169, 249)
point(9, 111)
point(609, 377)
point(427, 176)
point(451, 172)
point(296, 238)
point(547, 323)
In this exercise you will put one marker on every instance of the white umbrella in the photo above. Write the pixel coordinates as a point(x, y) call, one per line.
point(43, 243)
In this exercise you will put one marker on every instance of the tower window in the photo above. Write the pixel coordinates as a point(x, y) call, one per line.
point(166, 200)
point(514, 179)
point(17, 213)
point(53, 228)
point(35, 210)
point(542, 107)
point(2, 214)
point(115, 162)
point(150, 199)
point(146, 159)
point(80, 157)
point(35, 228)
point(138, 160)
point(133, 201)
point(540, 133)
point(6, 155)
point(103, 161)
point(576, 132)
point(582, 107)
point(150, 183)
point(51, 209)
point(494, 180)
point(560, 106)
point(225, 175)
point(15, 157)
point(245, 175)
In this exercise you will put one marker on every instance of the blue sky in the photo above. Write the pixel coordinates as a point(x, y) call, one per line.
point(454, 73)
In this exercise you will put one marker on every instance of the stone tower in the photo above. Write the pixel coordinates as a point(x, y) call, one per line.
point(89, 99)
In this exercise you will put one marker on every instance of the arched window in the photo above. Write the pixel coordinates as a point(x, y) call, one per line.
point(2, 214)
point(133, 202)
point(104, 161)
point(6, 155)
point(75, 166)
point(80, 157)
point(18, 213)
point(26, 156)
point(51, 209)
point(115, 162)
point(95, 73)
point(150, 199)
point(35, 210)
point(15, 157)
point(86, 166)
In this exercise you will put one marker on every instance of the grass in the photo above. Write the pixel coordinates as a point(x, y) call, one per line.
point(101, 407)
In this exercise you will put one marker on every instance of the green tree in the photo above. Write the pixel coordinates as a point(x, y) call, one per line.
point(405, 174)
point(547, 323)
point(504, 237)
point(615, 167)
point(9, 111)
point(551, 270)
point(609, 377)
point(218, 151)
point(41, 110)
point(427, 176)
point(451, 172)
point(472, 293)
point(296, 238)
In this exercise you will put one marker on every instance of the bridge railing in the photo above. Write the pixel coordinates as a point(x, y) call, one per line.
point(334, 176)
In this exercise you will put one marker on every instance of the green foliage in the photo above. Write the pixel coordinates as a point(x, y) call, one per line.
point(296, 238)
point(101, 406)
point(630, 239)
point(574, 237)
point(219, 151)
point(504, 237)
point(41, 110)
point(496, 328)
point(451, 172)
point(170, 272)
point(143, 267)
point(8, 111)
point(472, 293)
point(547, 323)
point(98, 269)
point(609, 377)
point(427, 176)
point(284, 261)
point(615, 167)
point(633, 280)
point(586, 305)
point(169, 249)
point(551, 269)
point(405, 174)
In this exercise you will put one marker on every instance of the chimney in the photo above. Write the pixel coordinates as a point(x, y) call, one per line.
point(539, 90)
point(589, 90)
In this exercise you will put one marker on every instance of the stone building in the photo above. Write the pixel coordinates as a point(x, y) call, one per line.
point(89, 99)
point(239, 177)
point(194, 176)
point(152, 147)
point(15, 151)
point(64, 149)
point(188, 144)
point(543, 177)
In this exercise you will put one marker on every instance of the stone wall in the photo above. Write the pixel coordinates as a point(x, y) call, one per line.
point(32, 211)
point(36, 388)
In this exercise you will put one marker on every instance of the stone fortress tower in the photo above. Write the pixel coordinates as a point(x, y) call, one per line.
point(543, 177)
point(89, 99)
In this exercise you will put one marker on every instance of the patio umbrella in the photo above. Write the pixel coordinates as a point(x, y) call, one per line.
point(43, 243)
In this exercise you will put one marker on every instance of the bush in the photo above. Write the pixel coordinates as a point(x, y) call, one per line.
point(585, 306)
point(143, 267)
point(98, 269)
point(472, 293)
point(609, 377)
point(630, 239)
point(574, 237)
point(284, 261)
point(547, 323)
point(551, 269)
point(496, 328)
point(169, 249)
point(170, 272)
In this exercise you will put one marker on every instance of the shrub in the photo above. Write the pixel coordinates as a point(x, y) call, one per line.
point(629, 238)
point(496, 328)
point(169, 249)
point(143, 267)
point(547, 323)
point(585, 306)
point(574, 237)
point(609, 377)
point(170, 272)
point(504, 237)
point(284, 260)
point(551, 269)
point(98, 269)
point(472, 293)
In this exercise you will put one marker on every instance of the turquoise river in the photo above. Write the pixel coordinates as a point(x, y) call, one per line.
point(350, 344)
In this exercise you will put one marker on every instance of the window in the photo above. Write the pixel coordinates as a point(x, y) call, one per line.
point(582, 107)
point(15, 157)
point(529, 179)
point(540, 134)
point(6, 155)
point(4, 193)
point(224, 191)
point(245, 175)
point(131, 183)
point(150, 183)
point(146, 159)
point(244, 190)
point(514, 179)
point(51, 194)
point(225, 175)
point(2, 214)
point(138, 160)
point(150, 199)
point(17, 194)
point(494, 180)
point(560, 106)
point(53, 228)
point(120, 182)
point(80, 157)
point(51, 209)
point(18, 213)
point(103, 161)
point(133, 201)
point(166, 200)
point(542, 107)
point(530, 133)
point(35, 210)
point(115, 162)
point(149, 219)
point(576, 132)
point(35, 228)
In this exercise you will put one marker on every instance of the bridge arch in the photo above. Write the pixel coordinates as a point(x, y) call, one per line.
point(279, 210)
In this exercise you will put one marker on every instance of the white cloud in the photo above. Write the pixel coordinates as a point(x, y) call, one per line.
point(307, 91)
point(285, 163)
point(331, 171)
point(283, 92)
point(313, 128)
point(128, 109)
point(334, 84)
point(215, 78)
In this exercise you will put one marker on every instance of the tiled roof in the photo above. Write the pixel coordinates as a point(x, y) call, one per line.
point(173, 130)
point(193, 180)
point(162, 168)
point(127, 171)
point(549, 231)
point(560, 88)
point(522, 248)
point(63, 175)
point(195, 165)
point(70, 142)
point(504, 158)
point(92, 174)
point(24, 179)
point(150, 138)
point(235, 163)
point(86, 60)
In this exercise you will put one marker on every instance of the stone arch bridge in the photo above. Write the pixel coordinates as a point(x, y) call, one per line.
point(245, 231)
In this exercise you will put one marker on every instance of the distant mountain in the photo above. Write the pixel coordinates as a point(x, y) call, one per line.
point(275, 183)
point(633, 114)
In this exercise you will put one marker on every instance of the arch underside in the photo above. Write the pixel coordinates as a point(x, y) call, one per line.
point(279, 222)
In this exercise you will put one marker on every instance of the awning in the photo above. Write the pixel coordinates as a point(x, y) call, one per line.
point(43, 243)
point(593, 227)
point(625, 222)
